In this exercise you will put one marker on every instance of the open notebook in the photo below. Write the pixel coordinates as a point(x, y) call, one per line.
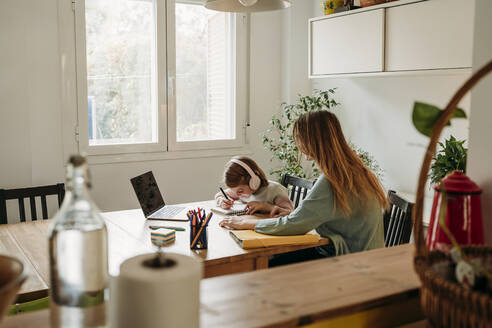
point(251, 239)
point(236, 209)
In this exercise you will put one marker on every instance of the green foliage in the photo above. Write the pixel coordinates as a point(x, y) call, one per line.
point(369, 161)
point(450, 157)
point(425, 116)
point(279, 141)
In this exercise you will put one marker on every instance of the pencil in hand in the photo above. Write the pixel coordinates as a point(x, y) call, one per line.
point(223, 193)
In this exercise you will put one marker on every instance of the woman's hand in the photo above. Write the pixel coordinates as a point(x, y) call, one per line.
point(254, 207)
point(279, 211)
point(225, 203)
point(244, 222)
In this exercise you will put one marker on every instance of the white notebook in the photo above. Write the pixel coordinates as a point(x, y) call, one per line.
point(236, 209)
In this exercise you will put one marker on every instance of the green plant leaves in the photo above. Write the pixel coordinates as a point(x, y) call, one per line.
point(278, 138)
point(279, 141)
point(425, 116)
point(451, 156)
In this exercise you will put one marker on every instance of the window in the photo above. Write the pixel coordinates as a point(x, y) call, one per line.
point(204, 74)
point(121, 79)
point(207, 71)
point(141, 89)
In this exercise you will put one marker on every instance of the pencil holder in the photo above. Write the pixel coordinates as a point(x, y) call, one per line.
point(202, 242)
point(198, 228)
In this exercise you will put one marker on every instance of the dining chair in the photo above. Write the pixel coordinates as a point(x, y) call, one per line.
point(397, 220)
point(298, 187)
point(31, 193)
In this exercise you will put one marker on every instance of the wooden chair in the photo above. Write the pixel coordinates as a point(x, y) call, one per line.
point(397, 221)
point(31, 193)
point(300, 187)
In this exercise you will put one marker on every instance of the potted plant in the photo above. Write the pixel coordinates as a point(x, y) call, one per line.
point(452, 154)
point(279, 141)
point(450, 157)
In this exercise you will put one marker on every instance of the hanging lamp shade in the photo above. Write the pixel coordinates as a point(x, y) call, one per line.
point(247, 6)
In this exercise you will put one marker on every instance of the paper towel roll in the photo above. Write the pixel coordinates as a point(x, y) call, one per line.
point(147, 297)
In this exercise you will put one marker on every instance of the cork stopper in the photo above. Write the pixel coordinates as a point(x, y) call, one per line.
point(77, 160)
point(159, 261)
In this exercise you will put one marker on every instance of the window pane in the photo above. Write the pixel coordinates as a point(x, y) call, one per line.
point(205, 87)
point(121, 79)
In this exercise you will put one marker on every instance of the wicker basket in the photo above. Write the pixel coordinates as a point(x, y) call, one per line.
point(444, 302)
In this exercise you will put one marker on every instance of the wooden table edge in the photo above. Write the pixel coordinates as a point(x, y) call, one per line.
point(29, 295)
point(364, 306)
point(266, 251)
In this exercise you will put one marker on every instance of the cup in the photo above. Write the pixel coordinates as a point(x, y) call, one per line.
point(329, 6)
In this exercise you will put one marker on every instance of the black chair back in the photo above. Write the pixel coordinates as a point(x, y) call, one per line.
point(299, 187)
point(31, 193)
point(397, 221)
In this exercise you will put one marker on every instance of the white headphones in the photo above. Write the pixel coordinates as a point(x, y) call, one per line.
point(255, 181)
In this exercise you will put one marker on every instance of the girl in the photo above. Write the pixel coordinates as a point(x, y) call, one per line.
point(248, 183)
point(345, 204)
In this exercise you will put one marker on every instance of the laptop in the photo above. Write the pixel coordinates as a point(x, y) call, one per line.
point(151, 200)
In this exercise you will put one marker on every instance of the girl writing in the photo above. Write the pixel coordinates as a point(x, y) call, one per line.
point(247, 183)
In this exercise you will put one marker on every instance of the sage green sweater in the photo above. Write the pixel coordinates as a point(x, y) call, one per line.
point(361, 230)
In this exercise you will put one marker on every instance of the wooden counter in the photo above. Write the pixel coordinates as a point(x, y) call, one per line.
point(377, 288)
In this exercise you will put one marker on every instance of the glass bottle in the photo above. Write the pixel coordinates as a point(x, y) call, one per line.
point(78, 255)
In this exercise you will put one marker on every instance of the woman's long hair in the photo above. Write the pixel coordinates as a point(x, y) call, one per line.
point(318, 134)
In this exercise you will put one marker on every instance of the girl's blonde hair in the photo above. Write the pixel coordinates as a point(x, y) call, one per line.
point(319, 135)
point(235, 174)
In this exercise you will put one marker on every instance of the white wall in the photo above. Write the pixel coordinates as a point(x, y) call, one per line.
point(294, 74)
point(480, 155)
point(376, 115)
point(30, 109)
point(30, 113)
point(30, 133)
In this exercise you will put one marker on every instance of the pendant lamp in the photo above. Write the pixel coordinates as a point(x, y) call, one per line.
point(247, 6)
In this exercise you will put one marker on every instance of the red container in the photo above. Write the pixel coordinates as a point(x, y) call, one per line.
point(463, 212)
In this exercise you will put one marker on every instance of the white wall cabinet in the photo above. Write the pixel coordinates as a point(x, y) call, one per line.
point(348, 44)
point(399, 36)
point(435, 34)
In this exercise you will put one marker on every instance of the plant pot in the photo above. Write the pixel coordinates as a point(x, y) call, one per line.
point(12, 276)
point(367, 3)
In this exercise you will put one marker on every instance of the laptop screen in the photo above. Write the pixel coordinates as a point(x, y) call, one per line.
point(148, 193)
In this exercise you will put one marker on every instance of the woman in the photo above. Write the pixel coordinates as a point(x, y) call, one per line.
point(346, 202)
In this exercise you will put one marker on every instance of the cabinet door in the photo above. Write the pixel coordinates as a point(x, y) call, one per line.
point(436, 34)
point(347, 44)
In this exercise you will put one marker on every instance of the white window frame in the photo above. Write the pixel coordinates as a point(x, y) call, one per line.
point(239, 89)
point(166, 73)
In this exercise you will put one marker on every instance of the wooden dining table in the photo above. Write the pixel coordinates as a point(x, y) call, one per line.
point(129, 235)
point(377, 288)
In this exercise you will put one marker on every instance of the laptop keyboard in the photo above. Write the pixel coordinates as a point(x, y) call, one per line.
point(168, 212)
